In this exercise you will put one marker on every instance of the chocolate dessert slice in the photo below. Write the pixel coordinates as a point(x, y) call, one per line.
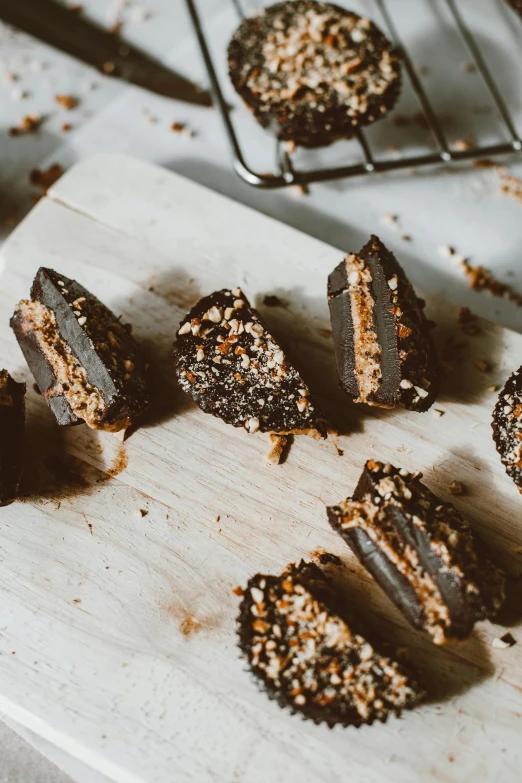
point(383, 349)
point(314, 70)
point(306, 655)
point(507, 427)
point(232, 366)
point(12, 427)
point(84, 360)
point(421, 551)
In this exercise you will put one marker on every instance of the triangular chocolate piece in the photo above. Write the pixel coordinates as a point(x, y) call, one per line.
point(421, 551)
point(12, 426)
point(84, 360)
point(507, 427)
point(383, 349)
point(232, 366)
point(304, 652)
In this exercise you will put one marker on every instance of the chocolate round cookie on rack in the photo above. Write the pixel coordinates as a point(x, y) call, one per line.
point(306, 655)
point(314, 70)
point(507, 427)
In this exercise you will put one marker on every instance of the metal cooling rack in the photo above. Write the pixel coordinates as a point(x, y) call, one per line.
point(288, 174)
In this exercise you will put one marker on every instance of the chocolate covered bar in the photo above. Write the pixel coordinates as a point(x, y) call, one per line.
point(232, 366)
point(305, 653)
point(12, 426)
point(84, 360)
point(507, 427)
point(383, 348)
point(315, 71)
point(421, 551)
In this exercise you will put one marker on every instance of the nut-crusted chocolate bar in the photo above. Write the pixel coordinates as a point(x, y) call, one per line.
point(12, 426)
point(306, 654)
point(314, 70)
point(507, 427)
point(421, 551)
point(84, 360)
point(383, 349)
point(232, 366)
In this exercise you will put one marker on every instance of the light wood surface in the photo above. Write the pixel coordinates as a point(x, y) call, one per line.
point(117, 626)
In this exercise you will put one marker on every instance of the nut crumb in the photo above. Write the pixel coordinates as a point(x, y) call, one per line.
point(67, 101)
point(237, 590)
point(456, 488)
point(277, 447)
point(28, 124)
point(482, 365)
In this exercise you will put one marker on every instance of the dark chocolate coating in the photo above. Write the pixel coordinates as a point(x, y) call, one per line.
point(442, 527)
point(507, 427)
point(336, 708)
point(266, 394)
point(12, 435)
point(102, 345)
point(407, 351)
point(314, 113)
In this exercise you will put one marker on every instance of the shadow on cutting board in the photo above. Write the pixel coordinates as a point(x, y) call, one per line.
point(444, 671)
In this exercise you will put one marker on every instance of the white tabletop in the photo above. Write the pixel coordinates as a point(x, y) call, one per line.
point(461, 208)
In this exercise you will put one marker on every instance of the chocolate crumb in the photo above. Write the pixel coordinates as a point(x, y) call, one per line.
point(44, 179)
point(504, 641)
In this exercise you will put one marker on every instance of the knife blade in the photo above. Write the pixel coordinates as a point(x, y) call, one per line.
point(68, 31)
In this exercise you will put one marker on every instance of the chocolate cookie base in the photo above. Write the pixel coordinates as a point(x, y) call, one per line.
point(300, 646)
point(420, 551)
point(507, 427)
point(233, 368)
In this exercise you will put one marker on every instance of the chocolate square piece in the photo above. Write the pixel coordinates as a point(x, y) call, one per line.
point(305, 654)
point(12, 426)
point(232, 366)
point(383, 348)
point(421, 551)
point(87, 365)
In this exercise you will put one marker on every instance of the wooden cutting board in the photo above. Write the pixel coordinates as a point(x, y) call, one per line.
point(117, 617)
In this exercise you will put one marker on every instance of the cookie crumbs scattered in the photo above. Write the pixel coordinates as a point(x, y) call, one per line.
point(492, 388)
point(44, 179)
point(389, 220)
point(340, 452)
point(28, 124)
point(462, 145)
point(300, 190)
point(67, 101)
point(277, 447)
point(510, 185)
point(406, 238)
point(177, 127)
point(504, 641)
point(142, 512)
point(456, 488)
point(482, 365)
point(237, 590)
point(480, 279)
point(437, 412)
point(66, 127)
point(446, 251)
point(77, 600)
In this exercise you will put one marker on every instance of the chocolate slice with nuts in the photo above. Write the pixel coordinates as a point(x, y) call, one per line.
point(12, 427)
point(232, 366)
point(507, 427)
point(314, 70)
point(421, 551)
point(85, 362)
point(383, 348)
point(306, 654)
